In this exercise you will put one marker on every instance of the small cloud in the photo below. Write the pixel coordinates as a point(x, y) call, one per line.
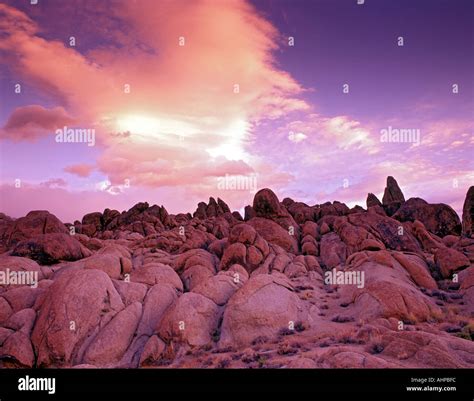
point(296, 137)
point(54, 183)
point(455, 144)
point(81, 170)
point(106, 186)
point(34, 121)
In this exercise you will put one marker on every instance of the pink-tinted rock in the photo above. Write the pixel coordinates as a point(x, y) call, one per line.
point(301, 212)
point(195, 267)
point(266, 203)
point(22, 321)
point(112, 259)
point(24, 267)
point(21, 297)
point(213, 209)
point(372, 200)
point(113, 340)
point(392, 192)
point(246, 247)
point(468, 213)
point(450, 240)
point(275, 234)
point(263, 306)
point(130, 292)
point(386, 230)
point(466, 278)
point(249, 213)
point(449, 260)
point(417, 268)
point(4, 334)
point(95, 218)
point(191, 320)
point(5, 223)
point(440, 219)
point(221, 287)
point(429, 242)
point(393, 197)
point(195, 257)
point(332, 209)
point(77, 306)
point(345, 357)
point(302, 363)
point(47, 249)
point(267, 207)
point(234, 253)
point(354, 237)
point(324, 228)
point(157, 273)
point(332, 250)
point(238, 272)
point(157, 301)
point(424, 349)
point(5, 310)
point(309, 242)
point(152, 351)
point(17, 351)
point(387, 292)
point(195, 276)
point(33, 224)
point(371, 245)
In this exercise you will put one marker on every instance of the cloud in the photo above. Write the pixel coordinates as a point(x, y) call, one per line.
point(54, 183)
point(81, 170)
point(34, 121)
point(439, 133)
point(296, 137)
point(12, 18)
point(338, 132)
point(165, 114)
point(187, 82)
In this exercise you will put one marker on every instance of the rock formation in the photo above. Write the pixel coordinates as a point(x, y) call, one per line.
point(468, 213)
point(392, 196)
point(288, 285)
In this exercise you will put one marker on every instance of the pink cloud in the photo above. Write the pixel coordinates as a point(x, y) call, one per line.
point(34, 121)
point(189, 123)
point(54, 183)
point(81, 170)
point(337, 133)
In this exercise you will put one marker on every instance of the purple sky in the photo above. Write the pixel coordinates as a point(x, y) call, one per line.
point(289, 123)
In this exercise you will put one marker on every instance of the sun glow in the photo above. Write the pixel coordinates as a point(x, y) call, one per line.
point(146, 128)
point(154, 127)
point(139, 124)
point(232, 148)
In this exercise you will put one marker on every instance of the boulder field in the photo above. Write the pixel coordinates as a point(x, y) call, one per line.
point(288, 285)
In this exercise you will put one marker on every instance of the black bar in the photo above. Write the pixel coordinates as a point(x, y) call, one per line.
point(230, 384)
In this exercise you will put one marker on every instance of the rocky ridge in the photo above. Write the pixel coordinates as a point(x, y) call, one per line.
point(145, 288)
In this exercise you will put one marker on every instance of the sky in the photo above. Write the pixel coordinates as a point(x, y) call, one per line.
point(183, 99)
